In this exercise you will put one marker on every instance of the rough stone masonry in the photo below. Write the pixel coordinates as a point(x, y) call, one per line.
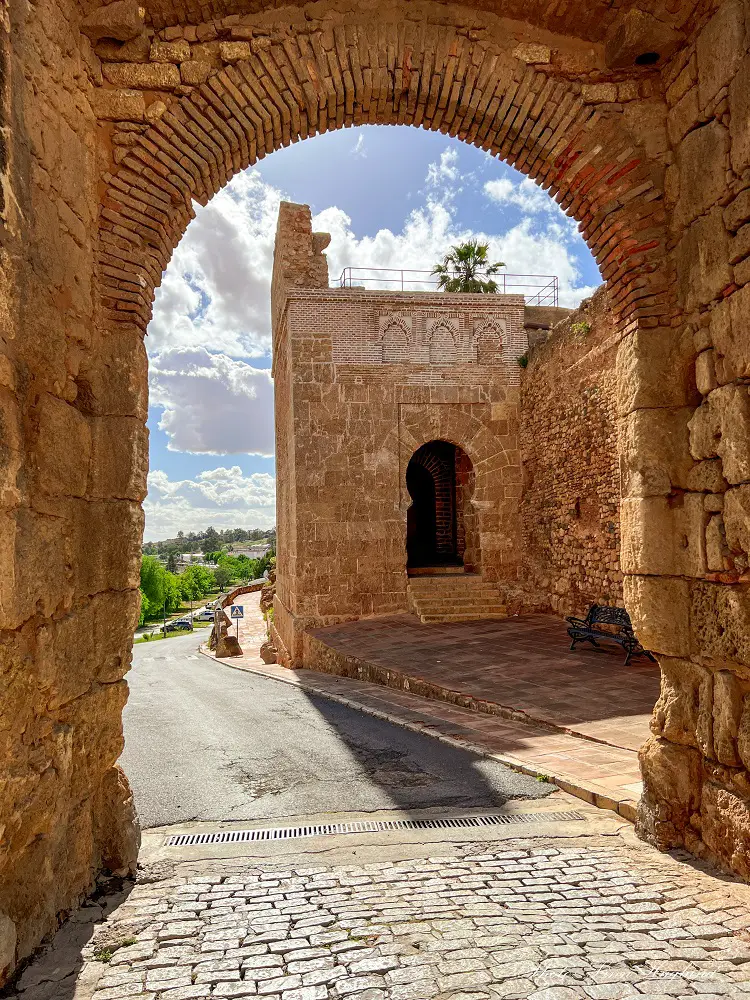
point(114, 119)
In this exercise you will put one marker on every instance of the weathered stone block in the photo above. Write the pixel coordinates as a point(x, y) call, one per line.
point(169, 52)
point(720, 48)
point(705, 372)
point(655, 451)
point(731, 336)
point(116, 829)
point(118, 105)
point(707, 477)
point(531, 52)
point(38, 554)
point(743, 733)
point(63, 448)
point(737, 519)
point(683, 116)
point(107, 535)
point(720, 622)
point(661, 536)
point(136, 50)
point(721, 426)
point(232, 52)
point(725, 827)
point(599, 93)
point(654, 369)
point(717, 556)
point(703, 261)
point(119, 463)
point(672, 778)
point(118, 384)
point(737, 212)
point(142, 76)
point(121, 20)
point(659, 608)
point(702, 161)
point(195, 72)
point(685, 696)
point(647, 527)
point(634, 33)
point(7, 946)
point(727, 707)
point(11, 448)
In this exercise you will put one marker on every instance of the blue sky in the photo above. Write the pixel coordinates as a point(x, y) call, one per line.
point(390, 197)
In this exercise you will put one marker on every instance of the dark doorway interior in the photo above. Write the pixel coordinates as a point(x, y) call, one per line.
point(437, 479)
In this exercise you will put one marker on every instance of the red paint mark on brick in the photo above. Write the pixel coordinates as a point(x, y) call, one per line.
point(643, 247)
point(622, 171)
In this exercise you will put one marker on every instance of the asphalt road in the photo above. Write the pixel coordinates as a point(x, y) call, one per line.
point(206, 742)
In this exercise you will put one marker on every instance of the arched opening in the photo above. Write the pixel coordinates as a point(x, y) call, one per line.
point(168, 135)
point(440, 528)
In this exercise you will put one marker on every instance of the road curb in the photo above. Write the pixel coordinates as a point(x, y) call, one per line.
point(626, 808)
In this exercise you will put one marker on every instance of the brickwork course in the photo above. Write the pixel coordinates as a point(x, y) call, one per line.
point(115, 119)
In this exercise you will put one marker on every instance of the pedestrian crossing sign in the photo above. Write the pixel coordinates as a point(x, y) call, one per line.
point(237, 611)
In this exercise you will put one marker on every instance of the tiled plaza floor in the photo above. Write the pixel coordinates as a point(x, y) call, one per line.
point(603, 773)
point(522, 663)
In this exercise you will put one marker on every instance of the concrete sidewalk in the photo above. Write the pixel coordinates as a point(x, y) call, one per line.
point(606, 775)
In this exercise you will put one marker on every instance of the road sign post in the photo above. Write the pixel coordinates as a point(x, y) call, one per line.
point(237, 611)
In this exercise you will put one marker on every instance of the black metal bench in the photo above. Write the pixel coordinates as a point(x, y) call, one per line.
point(621, 630)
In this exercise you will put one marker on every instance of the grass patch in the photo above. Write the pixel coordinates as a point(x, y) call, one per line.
point(103, 955)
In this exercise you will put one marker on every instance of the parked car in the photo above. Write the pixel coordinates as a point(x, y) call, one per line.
point(179, 625)
point(204, 616)
point(211, 605)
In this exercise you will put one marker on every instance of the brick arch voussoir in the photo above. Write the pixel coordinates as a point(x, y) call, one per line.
point(437, 79)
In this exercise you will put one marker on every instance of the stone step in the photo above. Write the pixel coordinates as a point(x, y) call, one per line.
point(468, 617)
point(458, 607)
point(457, 598)
point(436, 570)
point(457, 595)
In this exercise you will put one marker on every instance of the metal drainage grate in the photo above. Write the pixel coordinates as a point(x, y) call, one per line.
point(368, 826)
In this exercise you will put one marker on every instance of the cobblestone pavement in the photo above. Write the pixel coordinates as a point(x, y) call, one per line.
point(540, 920)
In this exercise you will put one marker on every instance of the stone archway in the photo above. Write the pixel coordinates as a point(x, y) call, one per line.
point(101, 159)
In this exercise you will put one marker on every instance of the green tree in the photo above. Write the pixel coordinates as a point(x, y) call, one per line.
point(211, 540)
point(172, 595)
point(195, 583)
point(172, 560)
point(466, 268)
point(153, 582)
point(222, 575)
point(145, 609)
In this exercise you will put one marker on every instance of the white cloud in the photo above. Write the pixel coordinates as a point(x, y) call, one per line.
point(212, 403)
point(526, 195)
point(215, 292)
point(358, 149)
point(445, 171)
point(222, 497)
point(532, 247)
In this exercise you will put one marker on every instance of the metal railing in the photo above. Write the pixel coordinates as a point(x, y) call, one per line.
point(537, 289)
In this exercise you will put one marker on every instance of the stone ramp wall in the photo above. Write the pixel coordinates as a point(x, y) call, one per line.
point(571, 498)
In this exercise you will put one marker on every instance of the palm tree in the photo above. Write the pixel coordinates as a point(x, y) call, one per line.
point(460, 269)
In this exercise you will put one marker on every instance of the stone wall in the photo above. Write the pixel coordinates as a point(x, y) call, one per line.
point(69, 534)
point(571, 469)
point(686, 454)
